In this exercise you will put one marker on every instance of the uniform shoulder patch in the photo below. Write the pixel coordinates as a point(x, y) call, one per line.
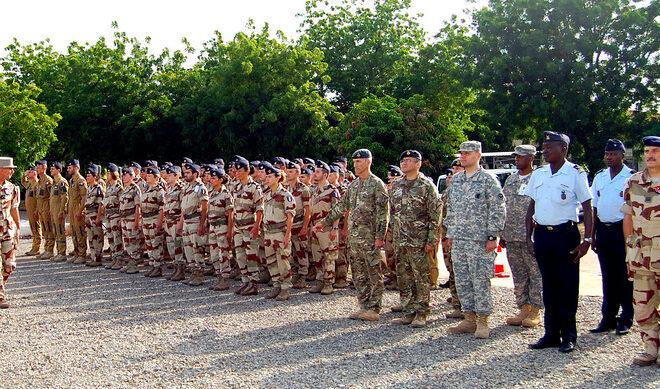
point(579, 168)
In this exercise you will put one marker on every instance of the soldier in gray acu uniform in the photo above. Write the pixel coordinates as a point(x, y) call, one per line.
point(475, 217)
point(526, 275)
point(367, 201)
point(416, 213)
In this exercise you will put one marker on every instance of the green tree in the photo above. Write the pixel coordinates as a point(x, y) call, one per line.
point(26, 127)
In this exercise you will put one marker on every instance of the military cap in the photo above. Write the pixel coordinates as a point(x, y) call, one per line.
point(412, 154)
point(136, 165)
point(308, 161)
point(194, 167)
point(165, 165)
point(217, 172)
point(57, 165)
point(42, 162)
point(394, 171)
point(173, 169)
point(241, 162)
point(339, 158)
point(31, 167)
point(93, 170)
point(220, 162)
point(292, 165)
point(153, 170)
point(551, 136)
point(112, 168)
point(455, 162)
point(524, 150)
point(186, 160)
point(208, 167)
point(322, 165)
point(334, 168)
point(127, 170)
point(305, 171)
point(255, 164)
point(652, 141)
point(470, 145)
point(279, 160)
point(151, 162)
point(615, 145)
point(73, 162)
point(270, 169)
point(311, 168)
point(361, 153)
point(298, 160)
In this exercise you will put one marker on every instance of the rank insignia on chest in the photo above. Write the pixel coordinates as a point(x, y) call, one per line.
point(598, 192)
point(621, 193)
point(563, 195)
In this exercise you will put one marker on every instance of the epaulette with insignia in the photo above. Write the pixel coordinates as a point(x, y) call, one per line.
point(579, 168)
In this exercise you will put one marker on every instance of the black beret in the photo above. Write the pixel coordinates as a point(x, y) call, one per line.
point(127, 170)
point(186, 160)
point(57, 165)
point(292, 165)
point(270, 169)
point(322, 165)
point(136, 165)
point(311, 167)
point(308, 161)
point(394, 171)
point(455, 162)
point(334, 168)
point(241, 162)
point(220, 162)
point(305, 171)
point(217, 172)
point(615, 145)
point(263, 165)
point(411, 153)
point(150, 162)
point(42, 162)
point(152, 170)
point(172, 169)
point(298, 160)
point(73, 162)
point(112, 168)
point(361, 153)
point(31, 167)
point(652, 140)
point(551, 136)
point(194, 167)
point(279, 160)
point(255, 164)
point(93, 170)
point(339, 158)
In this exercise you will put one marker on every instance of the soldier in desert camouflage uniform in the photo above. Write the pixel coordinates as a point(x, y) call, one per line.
point(192, 223)
point(367, 201)
point(110, 212)
point(151, 218)
point(221, 225)
point(172, 213)
point(416, 213)
point(299, 237)
point(641, 227)
point(93, 223)
point(10, 198)
point(129, 213)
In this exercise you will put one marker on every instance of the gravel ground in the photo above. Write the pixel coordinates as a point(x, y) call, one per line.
point(73, 326)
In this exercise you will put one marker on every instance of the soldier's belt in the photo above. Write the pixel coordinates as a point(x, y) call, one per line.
point(111, 211)
point(243, 222)
point(298, 218)
point(191, 216)
point(150, 214)
point(558, 227)
point(127, 212)
point(610, 225)
point(274, 226)
point(218, 222)
point(92, 207)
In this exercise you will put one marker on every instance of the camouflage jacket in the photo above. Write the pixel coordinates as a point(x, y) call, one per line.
point(248, 200)
point(516, 207)
point(277, 206)
point(443, 204)
point(641, 200)
point(128, 200)
point(172, 202)
point(151, 201)
point(475, 207)
point(10, 197)
point(220, 201)
point(93, 199)
point(77, 192)
point(369, 207)
point(111, 201)
point(302, 195)
point(416, 212)
point(323, 200)
point(193, 195)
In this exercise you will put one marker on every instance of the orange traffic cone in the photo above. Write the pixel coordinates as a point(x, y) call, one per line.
point(501, 270)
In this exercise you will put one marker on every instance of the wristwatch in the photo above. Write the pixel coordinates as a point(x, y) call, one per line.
point(588, 240)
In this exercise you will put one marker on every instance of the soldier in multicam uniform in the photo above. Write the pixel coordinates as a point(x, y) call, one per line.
point(59, 198)
point(29, 181)
point(221, 227)
point(641, 227)
point(341, 266)
point(43, 206)
point(389, 268)
point(192, 223)
point(475, 216)
point(76, 209)
point(526, 276)
point(172, 211)
point(279, 210)
point(248, 215)
point(109, 211)
point(93, 222)
point(151, 218)
point(129, 212)
point(416, 213)
point(324, 242)
point(368, 203)
point(10, 198)
point(456, 312)
point(300, 227)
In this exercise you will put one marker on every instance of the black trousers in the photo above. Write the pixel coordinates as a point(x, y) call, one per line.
point(560, 275)
point(617, 290)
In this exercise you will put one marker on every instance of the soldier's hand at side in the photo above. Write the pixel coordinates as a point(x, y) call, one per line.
point(318, 227)
point(429, 248)
point(530, 246)
point(9, 268)
point(98, 221)
point(448, 243)
point(379, 244)
point(491, 245)
point(159, 227)
point(254, 232)
point(333, 234)
point(287, 240)
point(580, 251)
point(201, 229)
point(343, 234)
point(179, 228)
point(302, 234)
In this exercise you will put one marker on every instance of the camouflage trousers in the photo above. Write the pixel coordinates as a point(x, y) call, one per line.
point(261, 252)
point(33, 219)
point(47, 226)
point(94, 237)
point(174, 242)
point(389, 270)
point(113, 234)
point(367, 274)
point(8, 232)
point(277, 259)
point(131, 238)
point(60, 234)
point(527, 285)
point(324, 254)
point(247, 254)
point(193, 244)
point(446, 256)
point(646, 304)
point(299, 259)
point(473, 267)
point(220, 250)
point(341, 266)
point(413, 272)
point(153, 241)
point(78, 235)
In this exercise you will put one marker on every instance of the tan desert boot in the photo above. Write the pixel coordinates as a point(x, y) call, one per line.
point(522, 314)
point(327, 289)
point(454, 314)
point(370, 315)
point(482, 331)
point(404, 321)
point(420, 321)
point(273, 293)
point(466, 326)
point(533, 319)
